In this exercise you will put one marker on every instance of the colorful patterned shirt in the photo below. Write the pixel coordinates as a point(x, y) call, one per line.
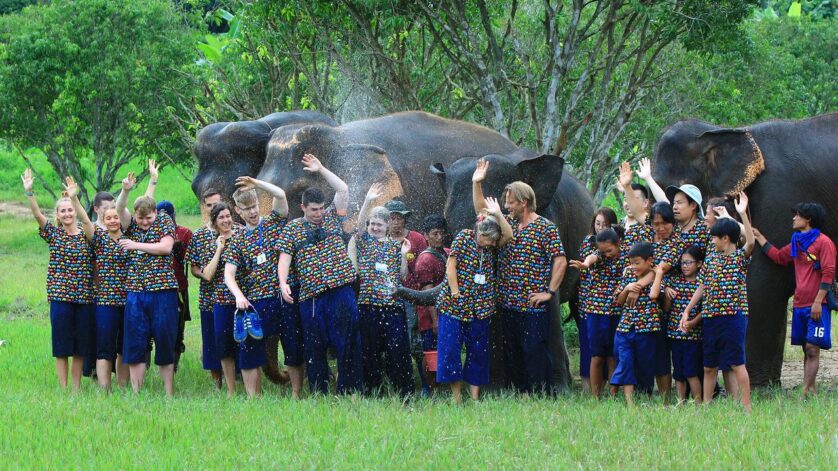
point(587, 248)
point(111, 269)
point(685, 289)
point(220, 292)
point(70, 270)
point(147, 272)
point(378, 269)
point(605, 277)
point(477, 295)
point(723, 277)
point(699, 235)
point(645, 316)
point(254, 254)
point(526, 263)
point(199, 253)
point(318, 254)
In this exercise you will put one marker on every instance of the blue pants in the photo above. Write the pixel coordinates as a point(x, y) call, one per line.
point(663, 357)
point(528, 362)
point(724, 341)
point(225, 346)
point(804, 330)
point(150, 314)
point(635, 358)
point(252, 351)
point(109, 324)
point(384, 334)
point(73, 329)
point(210, 358)
point(453, 335)
point(584, 348)
point(428, 340)
point(291, 330)
point(331, 320)
point(686, 359)
point(601, 330)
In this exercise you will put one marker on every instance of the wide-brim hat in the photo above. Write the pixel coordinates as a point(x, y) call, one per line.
point(692, 192)
point(396, 206)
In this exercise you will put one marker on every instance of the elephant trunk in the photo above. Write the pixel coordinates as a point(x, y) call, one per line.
point(422, 298)
point(271, 368)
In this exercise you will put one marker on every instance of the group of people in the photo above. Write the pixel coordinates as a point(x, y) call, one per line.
point(662, 296)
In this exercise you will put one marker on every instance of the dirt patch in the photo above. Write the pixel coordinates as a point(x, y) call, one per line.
point(15, 209)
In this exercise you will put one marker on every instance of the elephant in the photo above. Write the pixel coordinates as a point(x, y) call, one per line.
point(777, 164)
point(560, 197)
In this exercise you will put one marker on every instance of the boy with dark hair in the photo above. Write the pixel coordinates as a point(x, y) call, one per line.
point(813, 256)
point(724, 314)
point(634, 342)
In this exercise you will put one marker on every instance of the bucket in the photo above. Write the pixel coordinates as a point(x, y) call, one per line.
point(430, 360)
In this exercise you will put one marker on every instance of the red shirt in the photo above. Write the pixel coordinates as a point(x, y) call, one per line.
point(807, 277)
point(417, 245)
point(182, 238)
point(430, 270)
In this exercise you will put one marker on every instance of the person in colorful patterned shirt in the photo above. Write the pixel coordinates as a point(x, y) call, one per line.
point(813, 256)
point(603, 219)
point(327, 306)
point(151, 299)
point(110, 265)
point(252, 260)
point(183, 237)
point(634, 342)
point(69, 285)
point(467, 301)
point(381, 264)
point(530, 270)
point(724, 313)
point(685, 338)
point(603, 269)
point(204, 257)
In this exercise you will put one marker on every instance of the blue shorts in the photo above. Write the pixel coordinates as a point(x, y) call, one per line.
point(804, 330)
point(663, 357)
point(209, 358)
point(150, 314)
point(635, 358)
point(601, 330)
point(252, 351)
point(291, 330)
point(724, 341)
point(73, 329)
point(686, 359)
point(453, 334)
point(428, 340)
point(584, 348)
point(225, 346)
point(109, 324)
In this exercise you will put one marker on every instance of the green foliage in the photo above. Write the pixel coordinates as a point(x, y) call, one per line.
point(11, 6)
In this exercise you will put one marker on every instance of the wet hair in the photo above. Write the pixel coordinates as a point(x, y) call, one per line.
point(696, 252)
point(814, 212)
point(731, 209)
point(380, 212)
point(620, 230)
point(726, 227)
point(313, 195)
point(642, 188)
point(520, 191)
point(607, 213)
point(434, 221)
point(608, 235)
point(644, 250)
point(209, 192)
point(664, 210)
point(144, 205)
point(489, 228)
point(216, 211)
point(245, 197)
point(101, 197)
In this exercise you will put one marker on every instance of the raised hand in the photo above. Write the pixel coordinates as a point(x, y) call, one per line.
point(129, 182)
point(625, 174)
point(311, 163)
point(70, 187)
point(480, 171)
point(246, 182)
point(721, 212)
point(376, 191)
point(28, 180)
point(758, 236)
point(741, 203)
point(492, 206)
point(153, 169)
point(219, 242)
point(644, 170)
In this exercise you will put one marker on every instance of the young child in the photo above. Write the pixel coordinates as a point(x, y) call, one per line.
point(725, 310)
point(466, 302)
point(634, 342)
point(603, 269)
point(685, 337)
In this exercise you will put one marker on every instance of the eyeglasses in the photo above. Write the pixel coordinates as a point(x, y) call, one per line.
point(687, 263)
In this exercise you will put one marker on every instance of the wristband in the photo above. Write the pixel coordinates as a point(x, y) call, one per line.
point(29, 193)
point(552, 293)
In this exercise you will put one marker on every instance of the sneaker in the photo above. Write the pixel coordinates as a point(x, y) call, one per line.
point(239, 331)
point(253, 324)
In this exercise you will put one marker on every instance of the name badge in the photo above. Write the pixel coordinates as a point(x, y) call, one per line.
point(382, 267)
point(480, 279)
point(261, 258)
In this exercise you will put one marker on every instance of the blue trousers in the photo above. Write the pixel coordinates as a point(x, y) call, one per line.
point(528, 362)
point(73, 329)
point(150, 314)
point(291, 330)
point(331, 320)
point(386, 346)
point(453, 335)
point(109, 324)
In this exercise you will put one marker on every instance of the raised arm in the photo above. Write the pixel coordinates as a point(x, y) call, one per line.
point(341, 202)
point(375, 192)
point(493, 207)
point(406, 246)
point(153, 176)
point(209, 270)
point(72, 190)
point(644, 171)
point(638, 211)
point(28, 183)
point(477, 178)
point(742, 209)
point(128, 184)
point(280, 202)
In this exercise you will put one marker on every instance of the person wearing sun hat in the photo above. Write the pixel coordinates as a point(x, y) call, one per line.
point(689, 215)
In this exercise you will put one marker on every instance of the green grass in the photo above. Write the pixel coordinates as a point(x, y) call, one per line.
point(43, 427)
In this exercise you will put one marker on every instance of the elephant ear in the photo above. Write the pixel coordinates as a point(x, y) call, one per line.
point(731, 160)
point(543, 174)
